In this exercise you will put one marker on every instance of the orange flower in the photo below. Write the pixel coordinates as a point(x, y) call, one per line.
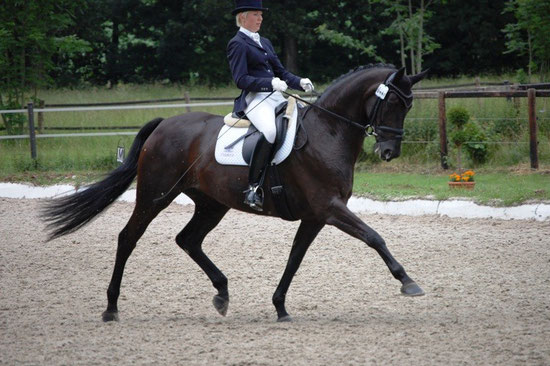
point(467, 176)
point(454, 177)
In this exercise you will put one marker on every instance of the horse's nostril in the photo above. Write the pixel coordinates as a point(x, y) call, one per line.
point(387, 154)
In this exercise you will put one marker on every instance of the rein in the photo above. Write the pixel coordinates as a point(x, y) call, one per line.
point(340, 117)
point(371, 128)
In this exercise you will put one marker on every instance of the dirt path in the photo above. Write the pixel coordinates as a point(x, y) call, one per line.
point(487, 302)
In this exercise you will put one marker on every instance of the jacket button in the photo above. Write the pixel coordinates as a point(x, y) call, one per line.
point(265, 53)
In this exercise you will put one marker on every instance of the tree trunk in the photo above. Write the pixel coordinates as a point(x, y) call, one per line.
point(112, 62)
point(529, 71)
point(420, 35)
point(291, 53)
point(402, 45)
point(23, 75)
point(401, 39)
point(411, 42)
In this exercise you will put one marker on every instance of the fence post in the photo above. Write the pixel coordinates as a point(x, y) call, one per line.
point(187, 100)
point(443, 131)
point(533, 153)
point(32, 132)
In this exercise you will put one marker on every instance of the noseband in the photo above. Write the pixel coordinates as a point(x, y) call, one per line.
point(372, 128)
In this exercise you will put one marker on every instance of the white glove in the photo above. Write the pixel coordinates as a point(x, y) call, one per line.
point(279, 85)
point(307, 85)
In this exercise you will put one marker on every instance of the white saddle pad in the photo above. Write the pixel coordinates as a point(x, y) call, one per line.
point(234, 156)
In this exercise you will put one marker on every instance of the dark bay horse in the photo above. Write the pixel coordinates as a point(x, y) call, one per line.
point(175, 155)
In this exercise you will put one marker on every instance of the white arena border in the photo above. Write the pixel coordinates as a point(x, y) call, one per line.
point(413, 207)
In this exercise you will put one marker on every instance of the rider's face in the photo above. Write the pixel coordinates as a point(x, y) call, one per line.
point(252, 20)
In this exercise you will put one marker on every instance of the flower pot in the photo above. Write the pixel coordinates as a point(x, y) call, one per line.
point(462, 185)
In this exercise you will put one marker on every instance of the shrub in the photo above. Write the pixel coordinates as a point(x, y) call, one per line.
point(475, 143)
point(458, 117)
point(469, 135)
point(14, 122)
point(508, 127)
point(522, 77)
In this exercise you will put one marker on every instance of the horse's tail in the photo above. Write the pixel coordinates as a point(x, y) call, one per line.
point(69, 213)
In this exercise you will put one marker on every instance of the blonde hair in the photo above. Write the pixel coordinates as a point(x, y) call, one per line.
point(237, 18)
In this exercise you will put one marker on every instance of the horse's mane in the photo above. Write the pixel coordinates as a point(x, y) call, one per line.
point(336, 81)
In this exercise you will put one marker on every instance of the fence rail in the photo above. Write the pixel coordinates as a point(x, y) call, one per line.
point(441, 95)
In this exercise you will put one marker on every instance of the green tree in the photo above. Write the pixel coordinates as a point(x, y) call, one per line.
point(31, 34)
point(529, 34)
point(409, 24)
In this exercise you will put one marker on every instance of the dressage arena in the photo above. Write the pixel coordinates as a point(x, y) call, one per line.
point(487, 300)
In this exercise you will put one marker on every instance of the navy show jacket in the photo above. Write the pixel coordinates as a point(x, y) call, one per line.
point(253, 67)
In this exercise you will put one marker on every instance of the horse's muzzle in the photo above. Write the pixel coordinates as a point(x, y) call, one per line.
point(388, 150)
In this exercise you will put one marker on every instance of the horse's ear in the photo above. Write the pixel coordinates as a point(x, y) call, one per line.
point(399, 74)
point(416, 78)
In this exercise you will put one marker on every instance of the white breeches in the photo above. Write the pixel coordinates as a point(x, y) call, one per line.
point(263, 115)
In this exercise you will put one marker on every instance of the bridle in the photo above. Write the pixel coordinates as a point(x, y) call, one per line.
point(382, 92)
point(372, 128)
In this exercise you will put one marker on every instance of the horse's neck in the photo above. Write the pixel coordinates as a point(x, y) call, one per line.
point(331, 138)
point(344, 137)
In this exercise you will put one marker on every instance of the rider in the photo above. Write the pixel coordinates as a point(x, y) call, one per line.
point(257, 71)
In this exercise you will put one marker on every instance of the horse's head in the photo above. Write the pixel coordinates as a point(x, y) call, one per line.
point(386, 111)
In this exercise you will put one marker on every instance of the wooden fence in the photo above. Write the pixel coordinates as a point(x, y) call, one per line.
point(530, 94)
point(442, 96)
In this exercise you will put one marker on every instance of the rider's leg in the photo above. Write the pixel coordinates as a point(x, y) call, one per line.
point(258, 163)
point(261, 113)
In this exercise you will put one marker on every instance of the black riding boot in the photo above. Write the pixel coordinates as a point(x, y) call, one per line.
point(258, 163)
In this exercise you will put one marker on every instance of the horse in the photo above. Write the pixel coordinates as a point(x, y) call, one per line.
point(176, 155)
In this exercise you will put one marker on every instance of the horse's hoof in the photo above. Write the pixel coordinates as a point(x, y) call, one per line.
point(412, 289)
point(109, 316)
point(220, 304)
point(284, 319)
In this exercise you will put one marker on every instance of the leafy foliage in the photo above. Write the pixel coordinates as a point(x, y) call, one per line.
point(467, 134)
point(71, 43)
point(476, 143)
point(31, 34)
point(458, 117)
point(529, 34)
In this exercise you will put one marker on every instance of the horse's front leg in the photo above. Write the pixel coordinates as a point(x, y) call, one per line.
point(348, 222)
point(304, 237)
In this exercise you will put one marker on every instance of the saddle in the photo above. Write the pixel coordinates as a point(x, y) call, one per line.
point(238, 137)
point(283, 114)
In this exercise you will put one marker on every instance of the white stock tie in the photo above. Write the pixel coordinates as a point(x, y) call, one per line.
point(256, 38)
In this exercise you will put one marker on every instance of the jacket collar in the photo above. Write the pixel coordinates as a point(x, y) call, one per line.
point(249, 40)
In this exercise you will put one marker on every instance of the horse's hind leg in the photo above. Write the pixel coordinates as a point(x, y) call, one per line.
point(208, 213)
point(141, 217)
point(345, 220)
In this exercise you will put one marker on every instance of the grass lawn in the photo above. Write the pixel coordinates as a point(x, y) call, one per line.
point(493, 187)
